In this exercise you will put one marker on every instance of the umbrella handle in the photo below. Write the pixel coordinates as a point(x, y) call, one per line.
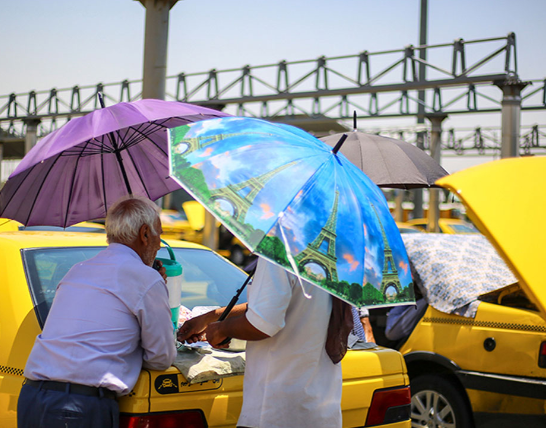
point(232, 303)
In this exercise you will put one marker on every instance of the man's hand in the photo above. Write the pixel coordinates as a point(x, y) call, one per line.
point(193, 329)
point(215, 336)
point(158, 265)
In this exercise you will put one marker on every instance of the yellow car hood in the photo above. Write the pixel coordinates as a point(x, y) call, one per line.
point(506, 200)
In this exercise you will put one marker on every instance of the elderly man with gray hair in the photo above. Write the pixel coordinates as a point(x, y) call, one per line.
point(109, 318)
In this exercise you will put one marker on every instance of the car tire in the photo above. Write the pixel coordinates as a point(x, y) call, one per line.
point(437, 402)
point(237, 256)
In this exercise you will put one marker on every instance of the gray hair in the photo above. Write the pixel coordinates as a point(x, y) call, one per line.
point(127, 215)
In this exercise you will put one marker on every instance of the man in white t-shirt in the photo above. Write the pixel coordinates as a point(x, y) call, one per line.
point(290, 381)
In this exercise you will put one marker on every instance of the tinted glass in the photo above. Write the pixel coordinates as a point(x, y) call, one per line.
point(208, 279)
point(464, 228)
point(407, 230)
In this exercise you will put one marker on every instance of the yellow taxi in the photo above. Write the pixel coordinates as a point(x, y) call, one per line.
point(84, 226)
point(488, 370)
point(176, 226)
point(375, 380)
point(405, 227)
point(446, 225)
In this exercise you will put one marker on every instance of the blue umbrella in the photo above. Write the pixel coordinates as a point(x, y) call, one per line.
point(299, 203)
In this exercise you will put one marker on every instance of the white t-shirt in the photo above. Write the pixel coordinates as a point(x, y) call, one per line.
point(289, 379)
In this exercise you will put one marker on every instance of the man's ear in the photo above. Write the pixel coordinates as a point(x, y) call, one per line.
point(144, 234)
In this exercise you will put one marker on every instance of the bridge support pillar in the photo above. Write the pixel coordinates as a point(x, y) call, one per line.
point(398, 208)
point(210, 232)
point(435, 152)
point(510, 116)
point(156, 35)
point(31, 134)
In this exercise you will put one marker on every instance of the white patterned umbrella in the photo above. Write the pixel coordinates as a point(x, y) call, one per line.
point(455, 269)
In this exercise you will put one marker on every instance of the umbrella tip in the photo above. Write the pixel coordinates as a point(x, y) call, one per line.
point(101, 99)
point(354, 120)
point(339, 144)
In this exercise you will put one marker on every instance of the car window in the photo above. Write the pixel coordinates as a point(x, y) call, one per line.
point(464, 228)
point(408, 230)
point(208, 279)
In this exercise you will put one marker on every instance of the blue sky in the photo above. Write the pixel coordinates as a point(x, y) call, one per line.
point(62, 43)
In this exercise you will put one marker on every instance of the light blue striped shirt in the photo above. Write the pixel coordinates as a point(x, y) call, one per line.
point(110, 315)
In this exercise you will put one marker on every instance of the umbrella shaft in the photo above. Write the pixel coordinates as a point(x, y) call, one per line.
point(123, 172)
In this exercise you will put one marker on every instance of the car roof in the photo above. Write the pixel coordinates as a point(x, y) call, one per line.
point(505, 200)
point(38, 239)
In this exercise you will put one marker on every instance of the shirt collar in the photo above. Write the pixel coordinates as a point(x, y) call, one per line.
point(124, 249)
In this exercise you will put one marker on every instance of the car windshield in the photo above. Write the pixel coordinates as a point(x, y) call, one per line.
point(408, 230)
point(464, 228)
point(208, 279)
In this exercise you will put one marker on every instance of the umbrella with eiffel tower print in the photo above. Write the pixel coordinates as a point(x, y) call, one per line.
point(297, 202)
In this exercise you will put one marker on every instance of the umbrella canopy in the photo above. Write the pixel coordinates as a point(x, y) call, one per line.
point(291, 199)
point(75, 173)
point(455, 269)
point(505, 200)
point(389, 162)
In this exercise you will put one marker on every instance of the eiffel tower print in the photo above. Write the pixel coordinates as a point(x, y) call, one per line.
point(194, 144)
point(313, 253)
point(240, 202)
point(390, 272)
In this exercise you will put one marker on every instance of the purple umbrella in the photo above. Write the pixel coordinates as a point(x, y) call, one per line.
point(75, 173)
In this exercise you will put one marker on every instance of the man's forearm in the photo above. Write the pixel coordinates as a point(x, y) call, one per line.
point(238, 327)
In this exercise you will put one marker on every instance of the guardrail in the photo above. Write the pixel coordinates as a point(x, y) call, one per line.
point(374, 84)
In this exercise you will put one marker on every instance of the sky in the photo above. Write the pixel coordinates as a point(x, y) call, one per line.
point(62, 43)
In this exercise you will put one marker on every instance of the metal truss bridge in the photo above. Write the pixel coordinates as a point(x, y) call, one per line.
point(462, 77)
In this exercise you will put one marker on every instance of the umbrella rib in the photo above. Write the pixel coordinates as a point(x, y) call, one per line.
point(16, 190)
point(97, 147)
point(138, 173)
point(317, 171)
point(103, 182)
point(139, 136)
point(72, 187)
point(40, 188)
point(145, 135)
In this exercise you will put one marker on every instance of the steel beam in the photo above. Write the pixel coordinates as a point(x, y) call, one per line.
point(365, 89)
point(510, 116)
point(423, 32)
point(436, 154)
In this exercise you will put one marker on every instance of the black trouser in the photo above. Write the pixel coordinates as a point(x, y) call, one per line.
point(58, 404)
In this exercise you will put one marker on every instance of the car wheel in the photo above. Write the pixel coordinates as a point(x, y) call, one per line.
point(437, 403)
point(237, 256)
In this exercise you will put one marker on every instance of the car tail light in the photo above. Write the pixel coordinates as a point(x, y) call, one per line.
point(389, 405)
point(186, 419)
point(542, 355)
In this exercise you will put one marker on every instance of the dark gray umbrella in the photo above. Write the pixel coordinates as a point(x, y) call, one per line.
point(389, 162)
